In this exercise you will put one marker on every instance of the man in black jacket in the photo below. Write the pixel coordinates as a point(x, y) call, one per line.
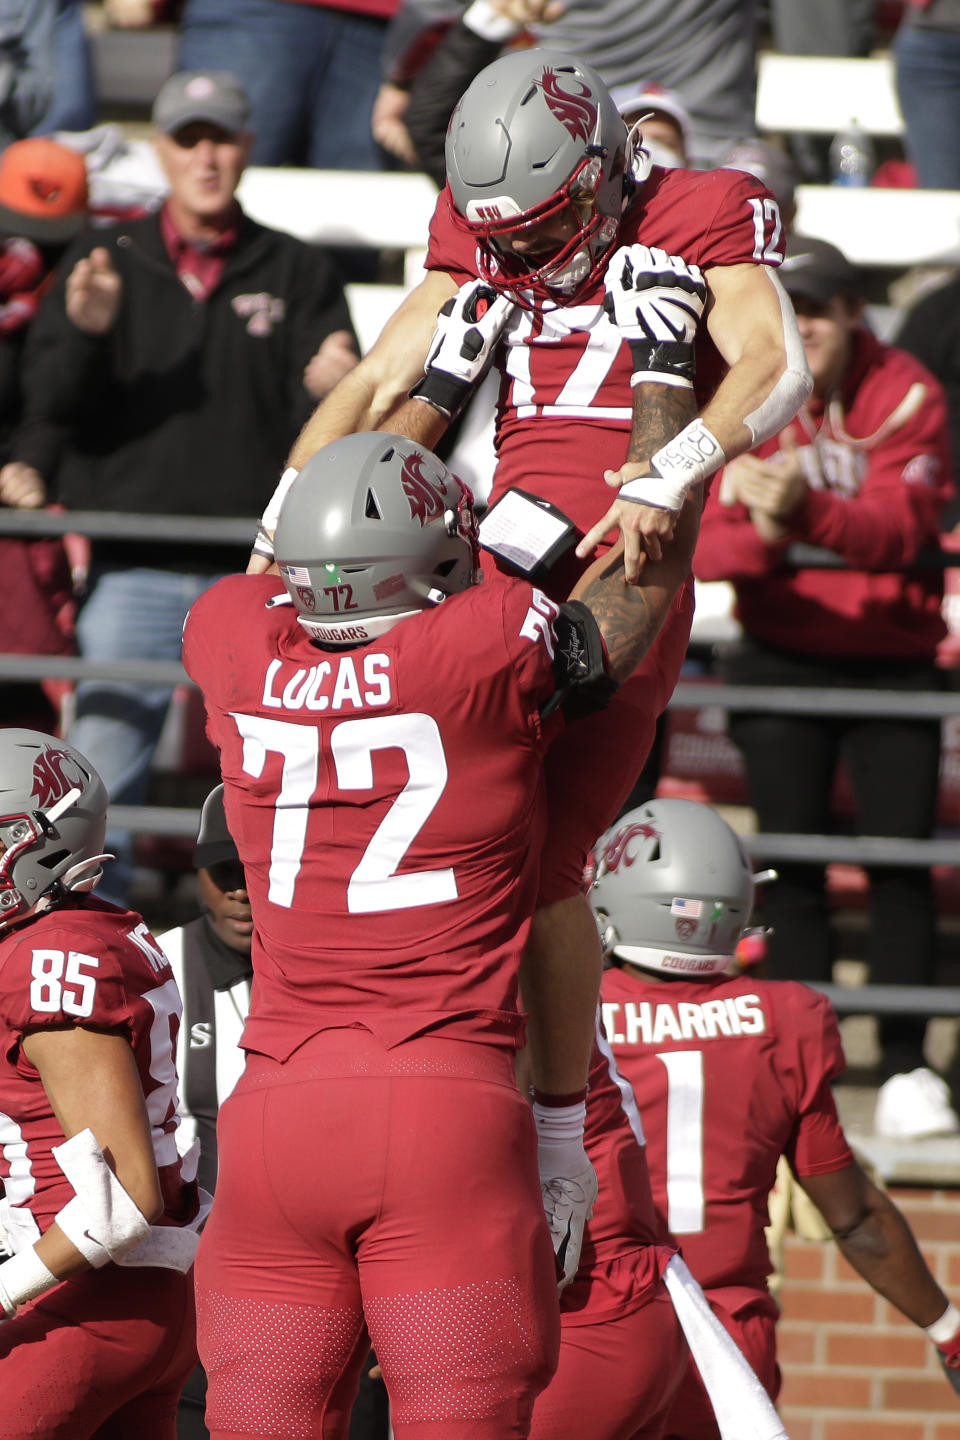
point(183, 351)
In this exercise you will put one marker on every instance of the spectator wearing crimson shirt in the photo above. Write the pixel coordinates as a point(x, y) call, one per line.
point(864, 472)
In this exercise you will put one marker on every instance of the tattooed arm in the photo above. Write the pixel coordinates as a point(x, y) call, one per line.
point(630, 615)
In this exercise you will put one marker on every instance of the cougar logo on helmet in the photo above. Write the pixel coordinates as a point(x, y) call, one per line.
point(616, 849)
point(575, 113)
point(426, 501)
point(50, 782)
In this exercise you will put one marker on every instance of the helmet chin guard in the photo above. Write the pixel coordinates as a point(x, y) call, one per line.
point(673, 889)
point(535, 137)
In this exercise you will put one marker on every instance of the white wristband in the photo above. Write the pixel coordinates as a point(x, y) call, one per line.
point(271, 514)
point(939, 1332)
point(488, 23)
point(23, 1277)
point(679, 465)
point(659, 377)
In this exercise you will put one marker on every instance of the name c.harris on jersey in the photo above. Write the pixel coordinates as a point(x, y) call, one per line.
point(342, 682)
point(642, 1023)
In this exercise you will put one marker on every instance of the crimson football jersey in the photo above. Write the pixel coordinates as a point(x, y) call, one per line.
point(729, 1075)
point(94, 965)
point(387, 803)
point(624, 1225)
point(565, 407)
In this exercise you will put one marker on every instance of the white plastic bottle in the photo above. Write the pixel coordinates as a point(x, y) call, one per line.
point(852, 156)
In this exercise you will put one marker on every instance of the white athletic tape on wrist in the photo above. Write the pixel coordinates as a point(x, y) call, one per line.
point(270, 516)
point(939, 1332)
point(23, 1277)
point(101, 1220)
point(679, 465)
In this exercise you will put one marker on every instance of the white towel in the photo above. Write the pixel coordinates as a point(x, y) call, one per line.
point(743, 1409)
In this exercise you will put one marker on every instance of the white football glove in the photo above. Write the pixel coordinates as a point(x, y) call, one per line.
point(568, 1182)
point(656, 301)
point(469, 326)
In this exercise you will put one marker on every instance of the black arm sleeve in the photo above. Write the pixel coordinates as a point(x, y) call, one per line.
point(434, 91)
point(579, 664)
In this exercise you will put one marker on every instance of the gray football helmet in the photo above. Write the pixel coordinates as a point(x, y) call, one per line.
point(53, 815)
point(373, 529)
point(536, 134)
point(672, 889)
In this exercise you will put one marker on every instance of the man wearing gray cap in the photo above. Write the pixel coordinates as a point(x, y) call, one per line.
point(182, 352)
point(863, 471)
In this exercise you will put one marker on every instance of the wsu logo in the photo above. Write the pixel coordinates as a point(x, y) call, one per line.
point(616, 853)
point(575, 112)
point(426, 501)
point(54, 774)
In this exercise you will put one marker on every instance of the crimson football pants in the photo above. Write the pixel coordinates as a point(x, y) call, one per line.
point(392, 1189)
point(616, 1379)
point(102, 1357)
point(593, 764)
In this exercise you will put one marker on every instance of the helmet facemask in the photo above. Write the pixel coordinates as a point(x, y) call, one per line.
point(537, 136)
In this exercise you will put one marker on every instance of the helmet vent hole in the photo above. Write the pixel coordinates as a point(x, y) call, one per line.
point(50, 861)
point(444, 568)
point(655, 851)
point(372, 509)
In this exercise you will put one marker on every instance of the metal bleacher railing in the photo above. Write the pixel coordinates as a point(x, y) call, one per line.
point(763, 848)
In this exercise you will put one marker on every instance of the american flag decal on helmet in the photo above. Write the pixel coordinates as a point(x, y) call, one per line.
point(576, 113)
point(426, 501)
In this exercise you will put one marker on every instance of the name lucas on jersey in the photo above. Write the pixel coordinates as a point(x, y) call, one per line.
point(344, 682)
point(644, 1023)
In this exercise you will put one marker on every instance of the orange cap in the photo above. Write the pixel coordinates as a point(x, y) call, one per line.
point(43, 190)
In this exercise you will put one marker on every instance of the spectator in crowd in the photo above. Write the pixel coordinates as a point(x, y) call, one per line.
point(177, 348)
point(43, 204)
point(704, 50)
point(93, 1181)
point(662, 117)
point(27, 70)
point(703, 1049)
point(926, 54)
point(310, 68)
point(545, 332)
point(73, 102)
point(930, 330)
point(864, 472)
point(356, 1014)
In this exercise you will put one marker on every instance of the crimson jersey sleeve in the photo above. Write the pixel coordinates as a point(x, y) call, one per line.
point(818, 1144)
point(450, 248)
point(62, 978)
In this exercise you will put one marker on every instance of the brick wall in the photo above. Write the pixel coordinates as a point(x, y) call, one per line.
point(853, 1367)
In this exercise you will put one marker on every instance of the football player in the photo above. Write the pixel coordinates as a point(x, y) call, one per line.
point(731, 1072)
point(97, 1326)
point(381, 725)
point(641, 337)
